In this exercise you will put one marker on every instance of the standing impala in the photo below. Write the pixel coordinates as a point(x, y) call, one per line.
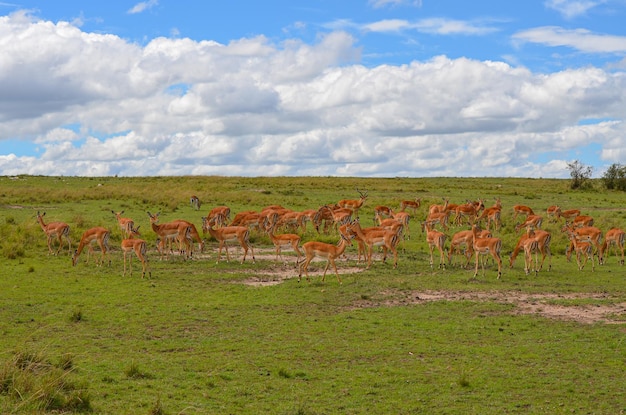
point(285, 240)
point(139, 247)
point(97, 235)
point(486, 246)
point(125, 224)
point(543, 238)
point(436, 239)
point(329, 252)
point(411, 204)
point(58, 230)
point(353, 205)
point(240, 234)
point(178, 230)
point(614, 236)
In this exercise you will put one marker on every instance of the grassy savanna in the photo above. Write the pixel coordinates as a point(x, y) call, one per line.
point(201, 338)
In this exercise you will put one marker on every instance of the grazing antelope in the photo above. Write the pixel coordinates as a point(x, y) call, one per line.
point(223, 212)
point(240, 234)
point(582, 220)
point(139, 247)
point(486, 246)
point(492, 215)
point(590, 234)
point(329, 252)
point(58, 230)
point(553, 212)
point(458, 240)
point(522, 210)
point(543, 238)
point(177, 230)
point(411, 204)
point(381, 212)
point(97, 235)
point(613, 237)
point(438, 217)
point(568, 214)
point(195, 202)
point(531, 220)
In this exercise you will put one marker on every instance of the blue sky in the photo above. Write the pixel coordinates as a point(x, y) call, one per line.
point(351, 88)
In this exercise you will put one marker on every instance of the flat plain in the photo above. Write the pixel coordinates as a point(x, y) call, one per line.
point(198, 337)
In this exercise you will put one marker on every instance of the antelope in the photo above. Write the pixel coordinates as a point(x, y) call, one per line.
point(195, 202)
point(590, 234)
point(436, 239)
point(553, 212)
point(178, 230)
point(285, 239)
point(614, 236)
point(192, 233)
point(381, 212)
point(125, 224)
point(411, 204)
point(353, 205)
point(434, 218)
point(241, 234)
point(139, 247)
point(97, 235)
point(486, 246)
point(461, 238)
point(568, 214)
point(522, 210)
point(469, 210)
point(530, 245)
point(531, 220)
point(492, 215)
point(58, 230)
point(543, 238)
point(581, 247)
point(438, 208)
point(221, 211)
point(582, 220)
point(329, 252)
point(387, 238)
point(404, 218)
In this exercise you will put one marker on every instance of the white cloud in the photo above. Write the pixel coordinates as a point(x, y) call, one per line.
point(251, 107)
point(580, 39)
point(143, 6)
point(573, 8)
point(438, 26)
point(385, 3)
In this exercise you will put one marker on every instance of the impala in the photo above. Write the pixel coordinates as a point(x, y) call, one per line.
point(492, 215)
point(530, 245)
point(568, 214)
point(434, 218)
point(58, 230)
point(285, 240)
point(240, 234)
point(222, 211)
point(468, 210)
point(329, 252)
point(522, 210)
point(438, 208)
point(582, 248)
point(590, 234)
point(170, 231)
point(125, 224)
point(486, 246)
point(553, 212)
point(411, 204)
point(458, 240)
point(353, 205)
point(614, 236)
point(543, 238)
point(139, 247)
point(582, 220)
point(192, 233)
point(404, 218)
point(534, 221)
point(195, 202)
point(436, 239)
point(381, 212)
point(97, 235)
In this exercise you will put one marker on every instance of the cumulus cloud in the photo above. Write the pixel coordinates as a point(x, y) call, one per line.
point(99, 105)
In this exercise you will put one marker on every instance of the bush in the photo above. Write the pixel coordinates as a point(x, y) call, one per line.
point(615, 177)
point(580, 174)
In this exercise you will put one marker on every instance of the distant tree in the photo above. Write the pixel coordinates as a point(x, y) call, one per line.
point(615, 177)
point(580, 174)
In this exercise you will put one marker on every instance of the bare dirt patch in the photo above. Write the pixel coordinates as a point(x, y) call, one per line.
point(545, 305)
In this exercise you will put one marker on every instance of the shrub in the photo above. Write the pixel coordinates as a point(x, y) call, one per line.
point(615, 177)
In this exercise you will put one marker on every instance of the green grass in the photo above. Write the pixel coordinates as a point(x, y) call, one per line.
point(195, 339)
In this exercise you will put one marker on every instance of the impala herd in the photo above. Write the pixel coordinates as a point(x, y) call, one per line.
point(285, 228)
